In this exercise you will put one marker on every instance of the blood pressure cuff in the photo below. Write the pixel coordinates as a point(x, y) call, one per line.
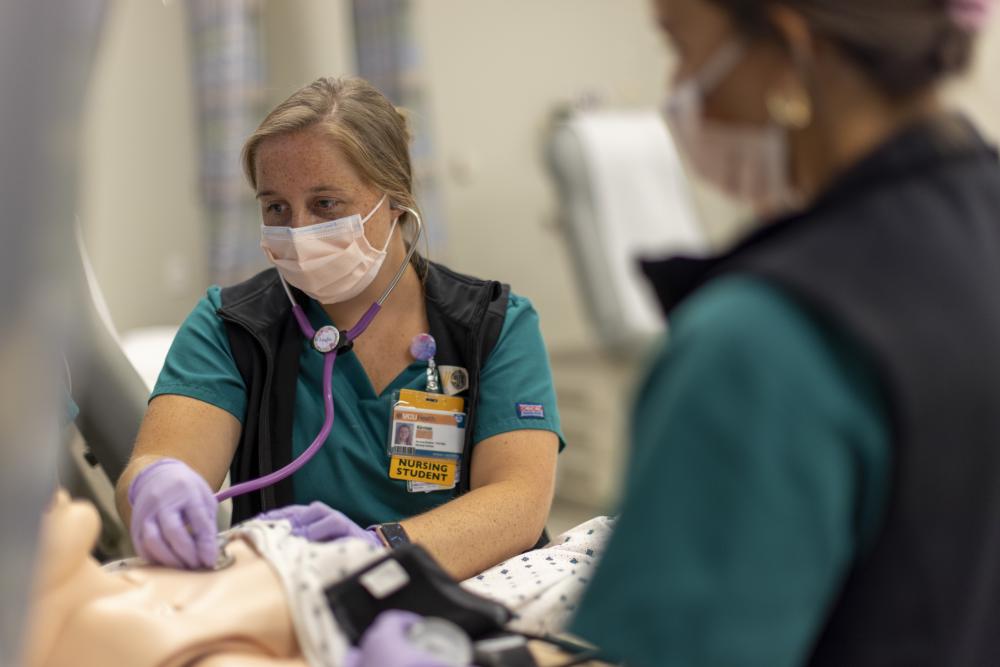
point(408, 578)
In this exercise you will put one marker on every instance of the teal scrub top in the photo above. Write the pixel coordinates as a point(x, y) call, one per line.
point(350, 472)
point(760, 470)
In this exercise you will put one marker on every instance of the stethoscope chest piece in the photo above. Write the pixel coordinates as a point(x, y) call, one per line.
point(326, 339)
point(225, 558)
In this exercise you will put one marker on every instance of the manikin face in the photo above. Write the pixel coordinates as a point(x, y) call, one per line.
point(304, 178)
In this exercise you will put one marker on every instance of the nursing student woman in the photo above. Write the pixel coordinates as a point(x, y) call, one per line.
point(331, 170)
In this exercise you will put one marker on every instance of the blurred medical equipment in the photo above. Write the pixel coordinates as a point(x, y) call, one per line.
point(622, 195)
point(106, 386)
point(457, 626)
point(329, 342)
point(46, 51)
point(111, 397)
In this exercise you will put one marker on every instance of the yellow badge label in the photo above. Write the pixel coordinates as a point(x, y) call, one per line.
point(411, 398)
point(437, 471)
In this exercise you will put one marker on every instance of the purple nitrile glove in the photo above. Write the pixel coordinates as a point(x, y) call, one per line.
point(318, 522)
point(387, 644)
point(173, 516)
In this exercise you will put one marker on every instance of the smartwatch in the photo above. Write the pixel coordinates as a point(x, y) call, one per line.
point(393, 534)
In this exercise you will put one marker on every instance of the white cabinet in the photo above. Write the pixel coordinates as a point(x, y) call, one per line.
point(595, 396)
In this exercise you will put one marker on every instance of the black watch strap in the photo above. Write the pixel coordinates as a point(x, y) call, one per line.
point(394, 534)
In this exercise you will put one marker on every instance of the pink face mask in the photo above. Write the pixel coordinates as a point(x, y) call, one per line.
point(331, 261)
point(749, 163)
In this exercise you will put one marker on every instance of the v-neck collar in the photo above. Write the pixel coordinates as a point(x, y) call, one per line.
point(352, 367)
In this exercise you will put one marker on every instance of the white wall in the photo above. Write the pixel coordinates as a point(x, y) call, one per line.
point(141, 211)
point(139, 204)
point(496, 71)
point(304, 40)
point(979, 93)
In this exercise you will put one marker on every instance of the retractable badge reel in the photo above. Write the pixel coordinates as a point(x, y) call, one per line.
point(423, 347)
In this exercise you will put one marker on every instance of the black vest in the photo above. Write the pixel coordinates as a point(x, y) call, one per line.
point(903, 256)
point(465, 316)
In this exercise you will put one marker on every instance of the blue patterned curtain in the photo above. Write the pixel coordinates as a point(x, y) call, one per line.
point(228, 73)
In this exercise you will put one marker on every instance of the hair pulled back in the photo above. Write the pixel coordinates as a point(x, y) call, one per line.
point(372, 133)
point(904, 46)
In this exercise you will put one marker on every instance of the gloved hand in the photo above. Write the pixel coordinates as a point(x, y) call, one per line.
point(173, 516)
point(386, 644)
point(318, 522)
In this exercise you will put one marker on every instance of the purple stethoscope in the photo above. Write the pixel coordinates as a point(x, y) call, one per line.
point(328, 341)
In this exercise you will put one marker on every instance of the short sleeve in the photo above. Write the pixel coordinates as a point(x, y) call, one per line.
point(516, 388)
point(760, 469)
point(200, 364)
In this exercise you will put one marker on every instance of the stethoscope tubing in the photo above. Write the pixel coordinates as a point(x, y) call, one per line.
point(329, 361)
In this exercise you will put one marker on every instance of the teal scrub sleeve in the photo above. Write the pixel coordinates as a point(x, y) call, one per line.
point(516, 388)
point(760, 469)
point(200, 364)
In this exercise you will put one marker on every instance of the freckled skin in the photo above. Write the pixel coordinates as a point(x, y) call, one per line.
point(313, 181)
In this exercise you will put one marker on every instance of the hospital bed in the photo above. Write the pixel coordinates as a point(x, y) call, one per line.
point(106, 387)
point(111, 397)
point(111, 376)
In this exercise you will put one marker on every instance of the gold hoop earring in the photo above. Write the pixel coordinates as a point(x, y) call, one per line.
point(790, 108)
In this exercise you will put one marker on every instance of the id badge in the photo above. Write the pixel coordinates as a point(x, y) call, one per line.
point(426, 439)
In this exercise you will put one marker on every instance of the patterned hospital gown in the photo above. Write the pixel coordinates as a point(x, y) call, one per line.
point(543, 587)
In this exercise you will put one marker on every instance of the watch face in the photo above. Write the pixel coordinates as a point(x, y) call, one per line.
point(394, 534)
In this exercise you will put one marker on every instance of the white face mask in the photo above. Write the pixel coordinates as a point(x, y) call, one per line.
point(331, 261)
point(747, 162)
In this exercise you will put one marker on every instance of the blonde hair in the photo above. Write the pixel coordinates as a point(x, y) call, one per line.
point(361, 120)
